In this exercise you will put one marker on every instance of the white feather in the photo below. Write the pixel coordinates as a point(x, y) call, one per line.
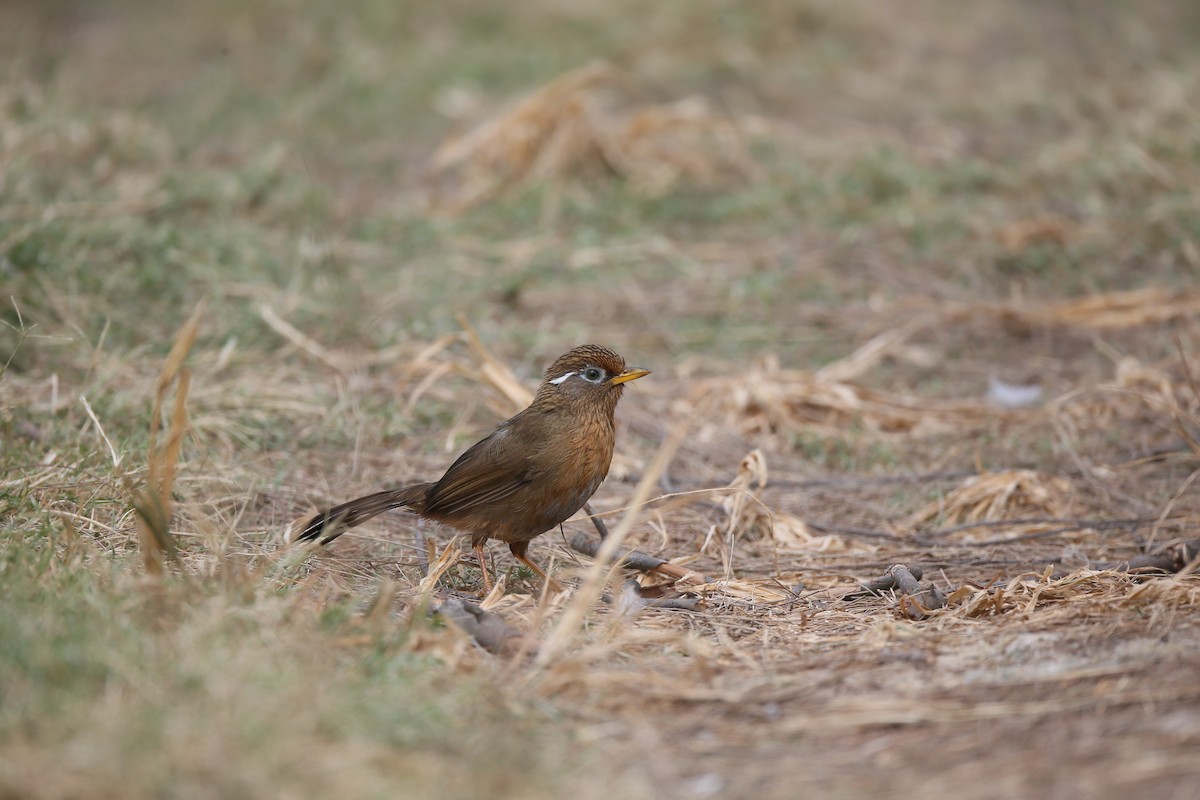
point(561, 378)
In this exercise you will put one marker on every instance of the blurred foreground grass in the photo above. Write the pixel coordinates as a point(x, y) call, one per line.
point(115, 688)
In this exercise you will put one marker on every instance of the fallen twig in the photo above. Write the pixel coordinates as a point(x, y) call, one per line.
point(885, 582)
point(917, 599)
point(1169, 559)
point(634, 559)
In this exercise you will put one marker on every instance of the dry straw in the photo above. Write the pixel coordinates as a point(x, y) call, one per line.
point(771, 399)
point(1112, 310)
point(1103, 311)
point(583, 122)
point(998, 495)
point(750, 519)
point(153, 503)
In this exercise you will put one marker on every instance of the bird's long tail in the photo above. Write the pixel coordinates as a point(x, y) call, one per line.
point(332, 523)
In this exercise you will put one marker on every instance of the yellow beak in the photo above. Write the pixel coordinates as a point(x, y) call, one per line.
point(630, 375)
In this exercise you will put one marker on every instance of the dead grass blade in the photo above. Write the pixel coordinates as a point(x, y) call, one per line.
point(337, 360)
point(750, 519)
point(112, 451)
point(153, 503)
point(298, 339)
point(735, 589)
point(1049, 228)
point(1178, 591)
point(869, 354)
point(448, 558)
point(495, 372)
point(772, 399)
point(524, 124)
point(660, 146)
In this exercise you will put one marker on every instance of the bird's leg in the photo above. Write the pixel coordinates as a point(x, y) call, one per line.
point(487, 583)
point(518, 550)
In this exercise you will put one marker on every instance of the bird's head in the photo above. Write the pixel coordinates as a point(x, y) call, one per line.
point(588, 375)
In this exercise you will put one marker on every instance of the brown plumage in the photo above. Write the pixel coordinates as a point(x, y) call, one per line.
point(531, 474)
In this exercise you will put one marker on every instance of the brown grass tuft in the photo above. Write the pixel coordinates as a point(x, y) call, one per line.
point(153, 503)
point(573, 127)
point(997, 496)
point(773, 400)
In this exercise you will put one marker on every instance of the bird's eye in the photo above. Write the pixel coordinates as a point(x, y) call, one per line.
point(592, 374)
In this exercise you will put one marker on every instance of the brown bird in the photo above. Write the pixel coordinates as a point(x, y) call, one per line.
point(531, 474)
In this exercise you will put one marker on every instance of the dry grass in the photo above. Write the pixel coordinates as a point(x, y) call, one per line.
point(568, 128)
point(940, 199)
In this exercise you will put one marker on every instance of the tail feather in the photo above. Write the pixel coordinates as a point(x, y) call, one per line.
point(333, 522)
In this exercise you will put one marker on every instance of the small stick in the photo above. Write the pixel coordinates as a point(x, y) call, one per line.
point(634, 559)
point(1169, 559)
point(916, 598)
point(886, 582)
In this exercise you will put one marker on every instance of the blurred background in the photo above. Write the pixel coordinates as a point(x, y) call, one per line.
point(822, 157)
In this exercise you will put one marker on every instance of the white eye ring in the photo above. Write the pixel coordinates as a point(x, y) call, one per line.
point(592, 374)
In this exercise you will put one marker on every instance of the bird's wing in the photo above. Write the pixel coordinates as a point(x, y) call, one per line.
point(490, 470)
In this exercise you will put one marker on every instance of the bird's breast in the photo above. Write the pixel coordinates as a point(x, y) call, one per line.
point(568, 472)
point(580, 466)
